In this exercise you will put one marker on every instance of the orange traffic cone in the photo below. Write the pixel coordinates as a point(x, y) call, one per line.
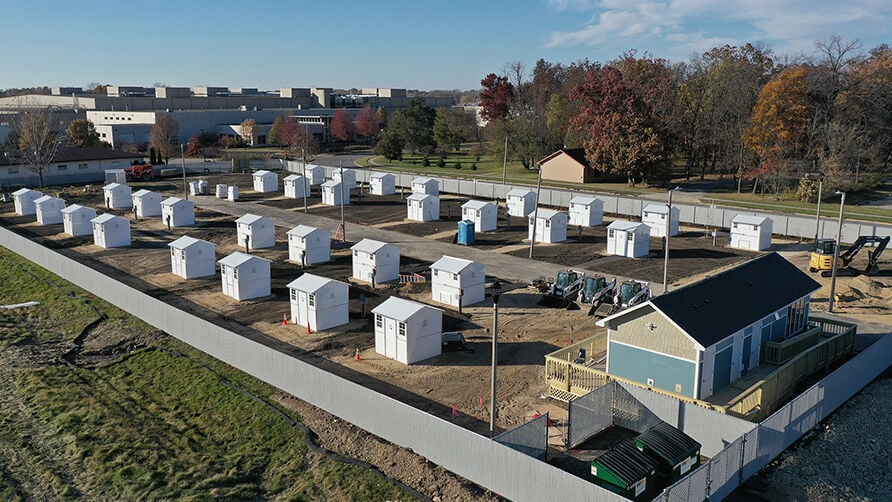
point(308, 328)
point(284, 319)
point(358, 355)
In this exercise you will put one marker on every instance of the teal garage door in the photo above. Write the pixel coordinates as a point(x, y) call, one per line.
point(721, 376)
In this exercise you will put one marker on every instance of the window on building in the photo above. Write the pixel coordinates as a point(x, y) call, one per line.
point(435, 272)
point(454, 277)
point(547, 223)
point(234, 273)
point(734, 226)
point(13, 170)
point(311, 300)
point(610, 234)
point(83, 166)
point(379, 321)
point(294, 294)
point(62, 167)
point(402, 329)
point(630, 236)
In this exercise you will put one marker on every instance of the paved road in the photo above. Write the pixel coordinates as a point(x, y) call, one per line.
point(505, 267)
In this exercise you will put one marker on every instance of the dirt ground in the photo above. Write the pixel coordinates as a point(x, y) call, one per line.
point(456, 385)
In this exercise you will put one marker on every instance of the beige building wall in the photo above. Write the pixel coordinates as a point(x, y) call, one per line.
point(664, 337)
point(563, 168)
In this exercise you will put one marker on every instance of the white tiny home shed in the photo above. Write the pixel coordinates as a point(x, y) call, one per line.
point(147, 203)
point(349, 177)
point(296, 186)
point(24, 201)
point(245, 276)
point(117, 196)
point(309, 245)
point(654, 216)
point(110, 231)
point(375, 257)
point(265, 181)
point(485, 215)
point(408, 331)
point(177, 212)
point(333, 192)
point(49, 209)
point(456, 279)
point(423, 207)
point(628, 238)
point(751, 232)
point(426, 185)
point(551, 226)
point(258, 231)
point(314, 173)
point(520, 202)
point(191, 257)
point(76, 220)
point(586, 210)
point(382, 184)
point(319, 303)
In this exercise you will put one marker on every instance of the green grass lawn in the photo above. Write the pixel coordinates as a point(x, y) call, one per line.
point(829, 207)
point(160, 422)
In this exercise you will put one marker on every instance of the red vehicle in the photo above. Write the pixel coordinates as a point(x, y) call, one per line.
point(144, 172)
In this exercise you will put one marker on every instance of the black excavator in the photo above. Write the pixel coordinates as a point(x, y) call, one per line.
point(822, 257)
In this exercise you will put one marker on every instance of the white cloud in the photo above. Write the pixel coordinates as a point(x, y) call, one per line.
point(696, 25)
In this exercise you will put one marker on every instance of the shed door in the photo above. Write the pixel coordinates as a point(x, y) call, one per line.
point(445, 297)
point(747, 347)
point(721, 377)
point(390, 338)
point(303, 316)
point(230, 280)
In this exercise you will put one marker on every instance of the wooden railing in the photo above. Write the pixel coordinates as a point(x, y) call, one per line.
point(567, 380)
point(777, 353)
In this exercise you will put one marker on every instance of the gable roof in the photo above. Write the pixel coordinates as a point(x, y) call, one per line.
point(519, 192)
point(26, 191)
point(400, 309)
point(477, 204)
point(627, 462)
point(114, 186)
point(421, 196)
point(625, 225)
point(750, 219)
point(547, 214)
point(292, 177)
point(668, 442)
point(331, 183)
point(451, 265)
point(238, 259)
point(248, 219)
point(77, 208)
point(577, 154)
point(368, 246)
point(423, 180)
point(716, 307)
point(105, 218)
point(380, 175)
point(261, 173)
point(583, 199)
point(46, 198)
point(303, 230)
point(657, 208)
point(143, 192)
point(311, 283)
point(172, 201)
point(186, 241)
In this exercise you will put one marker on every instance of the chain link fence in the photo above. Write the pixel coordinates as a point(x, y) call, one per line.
point(530, 438)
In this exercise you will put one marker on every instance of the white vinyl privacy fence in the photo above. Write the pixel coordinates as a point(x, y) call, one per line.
point(695, 214)
point(500, 468)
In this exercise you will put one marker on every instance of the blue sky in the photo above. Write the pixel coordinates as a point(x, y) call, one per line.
point(420, 44)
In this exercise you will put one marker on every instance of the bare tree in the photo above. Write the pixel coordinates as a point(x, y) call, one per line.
point(247, 129)
point(163, 135)
point(39, 136)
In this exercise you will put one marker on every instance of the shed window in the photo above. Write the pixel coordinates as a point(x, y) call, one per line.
point(294, 294)
point(356, 254)
point(547, 223)
point(379, 321)
point(610, 233)
point(311, 300)
point(234, 273)
point(630, 236)
point(435, 272)
point(454, 277)
point(734, 226)
point(402, 329)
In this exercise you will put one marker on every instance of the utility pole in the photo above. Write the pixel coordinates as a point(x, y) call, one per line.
point(505, 161)
point(306, 180)
point(842, 203)
point(666, 250)
point(343, 223)
point(496, 291)
point(183, 157)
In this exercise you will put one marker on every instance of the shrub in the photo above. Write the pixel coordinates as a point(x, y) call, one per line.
point(474, 166)
point(426, 162)
point(457, 165)
point(441, 163)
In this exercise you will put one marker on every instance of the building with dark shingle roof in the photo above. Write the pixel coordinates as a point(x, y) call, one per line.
point(698, 339)
point(626, 470)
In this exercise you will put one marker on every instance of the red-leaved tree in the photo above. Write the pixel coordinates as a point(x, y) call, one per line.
point(366, 123)
point(496, 97)
point(341, 126)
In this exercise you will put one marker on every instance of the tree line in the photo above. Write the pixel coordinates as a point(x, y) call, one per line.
point(732, 110)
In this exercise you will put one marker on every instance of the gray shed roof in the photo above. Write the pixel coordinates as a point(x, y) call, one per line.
point(656, 208)
point(74, 208)
point(238, 259)
point(582, 199)
point(625, 225)
point(368, 246)
point(519, 192)
point(477, 204)
point(250, 218)
point(311, 283)
point(547, 214)
point(451, 265)
point(421, 196)
point(104, 218)
point(303, 230)
point(186, 241)
point(400, 309)
point(750, 219)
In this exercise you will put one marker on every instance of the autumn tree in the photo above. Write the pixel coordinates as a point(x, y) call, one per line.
point(82, 132)
point(163, 135)
point(193, 148)
point(296, 138)
point(779, 125)
point(366, 123)
point(381, 117)
point(414, 125)
point(617, 126)
point(248, 131)
point(39, 138)
point(495, 97)
point(341, 125)
point(390, 146)
point(274, 136)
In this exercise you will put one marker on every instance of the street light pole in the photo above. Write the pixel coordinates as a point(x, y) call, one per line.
point(306, 180)
point(505, 161)
point(666, 249)
point(496, 291)
point(842, 203)
point(536, 213)
point(183, 157)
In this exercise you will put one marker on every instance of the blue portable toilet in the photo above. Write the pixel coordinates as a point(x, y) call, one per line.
point(466, 232)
